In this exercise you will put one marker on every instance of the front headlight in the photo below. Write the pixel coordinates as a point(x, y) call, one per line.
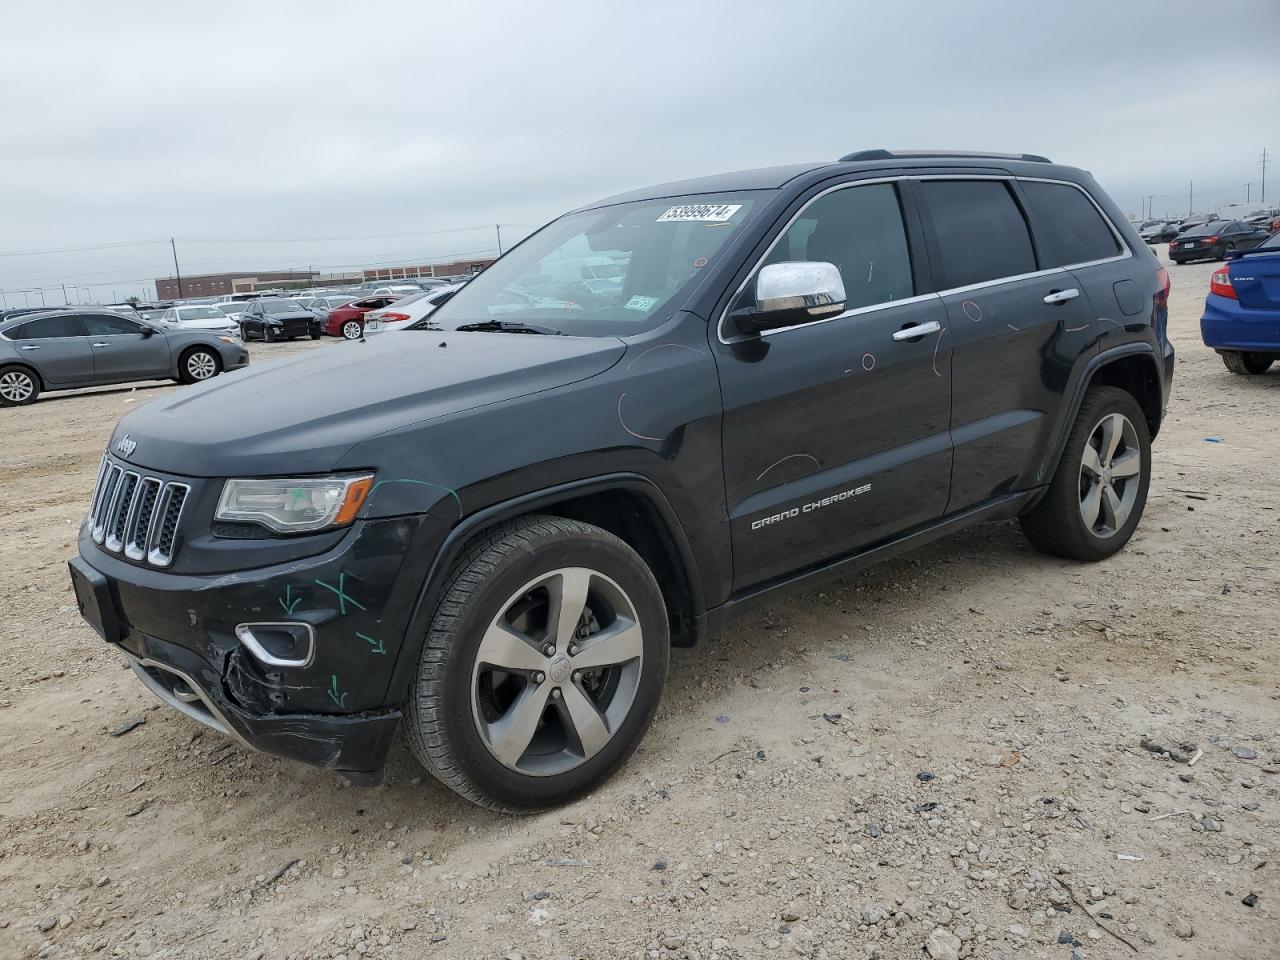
point(294, 506)
point(234, 341)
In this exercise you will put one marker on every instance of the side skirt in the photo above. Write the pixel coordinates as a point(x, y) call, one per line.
point(1002, 508)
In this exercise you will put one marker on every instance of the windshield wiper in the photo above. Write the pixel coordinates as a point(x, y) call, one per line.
point(506, 326)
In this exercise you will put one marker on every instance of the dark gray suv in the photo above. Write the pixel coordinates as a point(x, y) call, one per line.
point(63, 349)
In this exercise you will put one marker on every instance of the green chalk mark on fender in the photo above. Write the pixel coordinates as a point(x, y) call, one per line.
point(421, 483)
point(375, 644)
point(343, 597)
point(289, 602)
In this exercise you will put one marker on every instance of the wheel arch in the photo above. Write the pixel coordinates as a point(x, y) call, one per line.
point(190, 348)
point(9, 364)
point(1132, 367)
point(628, 505)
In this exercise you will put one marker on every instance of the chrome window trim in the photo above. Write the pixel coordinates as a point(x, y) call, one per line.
point(919, 298)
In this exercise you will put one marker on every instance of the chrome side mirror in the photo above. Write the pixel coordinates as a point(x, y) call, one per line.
point(788, 294)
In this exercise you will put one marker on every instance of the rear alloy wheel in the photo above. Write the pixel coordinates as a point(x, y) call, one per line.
point(1247, 362)
point(1227, 251)
point(352, 330)
point(198, 364)
point(18, 387)
point(542, 667)
point(1099, 490)
point(244, 334)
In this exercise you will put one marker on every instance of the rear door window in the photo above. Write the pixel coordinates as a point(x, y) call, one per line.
point(1069, 226)
point(49, 327)
point(980, 231)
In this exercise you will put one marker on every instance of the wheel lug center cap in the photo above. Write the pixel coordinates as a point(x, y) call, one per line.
point(559, 668)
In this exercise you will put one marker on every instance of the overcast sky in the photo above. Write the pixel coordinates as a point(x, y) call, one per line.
point(273, 135)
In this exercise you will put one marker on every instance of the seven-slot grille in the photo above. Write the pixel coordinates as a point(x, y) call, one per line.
point(136, 514)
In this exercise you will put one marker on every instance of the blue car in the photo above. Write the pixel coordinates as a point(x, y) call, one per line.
point(1242, 312)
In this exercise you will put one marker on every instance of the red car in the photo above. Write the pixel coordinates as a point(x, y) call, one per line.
point(348, 321)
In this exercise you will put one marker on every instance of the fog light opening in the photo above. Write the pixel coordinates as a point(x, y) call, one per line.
point(284, 644)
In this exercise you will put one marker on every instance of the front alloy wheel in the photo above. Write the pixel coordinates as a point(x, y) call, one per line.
point(551, 682)
point(542, 667)
point(201, 365)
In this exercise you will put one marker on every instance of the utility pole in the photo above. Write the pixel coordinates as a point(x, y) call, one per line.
point(1248, 189)
point(1263, 164)
point(1191, 196)
point(498, 227)
point(65, 301)
point(176, 272)
point(42, 303)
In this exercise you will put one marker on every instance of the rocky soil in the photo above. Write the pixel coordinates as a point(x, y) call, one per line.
point(976, 751)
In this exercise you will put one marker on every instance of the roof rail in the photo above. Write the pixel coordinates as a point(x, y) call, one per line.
point(879, 154)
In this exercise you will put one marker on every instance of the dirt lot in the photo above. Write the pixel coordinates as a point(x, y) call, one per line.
point(951, 741)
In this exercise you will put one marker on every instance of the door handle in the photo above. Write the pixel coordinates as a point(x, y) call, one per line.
point(1056, 297)
point(31, 346)
point(102, 344)
point(919, 330)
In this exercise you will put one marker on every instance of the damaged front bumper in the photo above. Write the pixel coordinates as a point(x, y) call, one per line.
point(190, 638)
point(355, 746)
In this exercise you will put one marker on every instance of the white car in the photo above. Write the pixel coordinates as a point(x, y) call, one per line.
point(198, 318)
point(231, 310)
point(402, 313)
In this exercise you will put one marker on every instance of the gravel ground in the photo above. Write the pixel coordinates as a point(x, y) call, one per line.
point(943, 757)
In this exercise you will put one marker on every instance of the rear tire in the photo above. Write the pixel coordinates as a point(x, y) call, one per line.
point(1229, 249)
point(497, 720)
point(244, 333)
point(19, 386)
point(352, 330)
point(1097, 494)
point(1247, 363)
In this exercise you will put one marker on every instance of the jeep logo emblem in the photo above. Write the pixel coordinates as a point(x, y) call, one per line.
point(126, 445)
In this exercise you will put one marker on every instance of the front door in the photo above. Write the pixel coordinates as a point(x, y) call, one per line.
point(835, 432)
point(124, 349)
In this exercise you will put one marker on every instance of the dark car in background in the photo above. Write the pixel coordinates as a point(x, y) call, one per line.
point(1159, 232)
point(1215, 240)
point(1241, 318)
point(347, 321)
point(65, 349)
point(278, 319)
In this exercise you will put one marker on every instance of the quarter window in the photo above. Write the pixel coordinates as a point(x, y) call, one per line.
point(860, 230)
point(49, 327)
point(1068, 224)
point(980, 230)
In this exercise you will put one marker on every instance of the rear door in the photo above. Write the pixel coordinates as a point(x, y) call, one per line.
point(835, 432)
point(56, 347)
point(1016, 330)
point(125, 349)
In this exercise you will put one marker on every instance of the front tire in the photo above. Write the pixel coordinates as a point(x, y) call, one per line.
point(542, 667)
point(1247, 363)
point(1097, 494)
point(198, 364)
point(18, 386)
point(269, 334)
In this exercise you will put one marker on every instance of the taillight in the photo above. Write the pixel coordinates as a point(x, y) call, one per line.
point(1212, 239)
point(395, 316)
point(1220, 283)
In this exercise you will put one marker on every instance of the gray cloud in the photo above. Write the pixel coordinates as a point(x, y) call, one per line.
point(282, 120)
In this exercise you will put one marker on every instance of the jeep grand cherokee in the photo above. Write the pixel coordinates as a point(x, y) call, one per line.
point(491, 536)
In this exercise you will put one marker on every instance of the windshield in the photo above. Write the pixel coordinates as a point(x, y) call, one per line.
point(1271, 243)
point(607, 272)
point(227, 309)
point(280, 306)
point(199, 313)
point(1217, 226)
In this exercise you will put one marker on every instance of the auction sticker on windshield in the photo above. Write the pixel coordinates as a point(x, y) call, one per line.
point(701, 213)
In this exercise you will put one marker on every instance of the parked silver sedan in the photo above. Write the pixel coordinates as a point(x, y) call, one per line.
point(65, 349)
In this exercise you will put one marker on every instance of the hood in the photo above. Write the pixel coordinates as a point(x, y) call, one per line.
point(224, 323)
point(299, 415)
point(298, 314)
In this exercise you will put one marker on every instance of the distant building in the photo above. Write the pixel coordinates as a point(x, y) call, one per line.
point(221, 284)
point(242, 281)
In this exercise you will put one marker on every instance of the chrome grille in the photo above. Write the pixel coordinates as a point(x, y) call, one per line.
point(136, 515)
